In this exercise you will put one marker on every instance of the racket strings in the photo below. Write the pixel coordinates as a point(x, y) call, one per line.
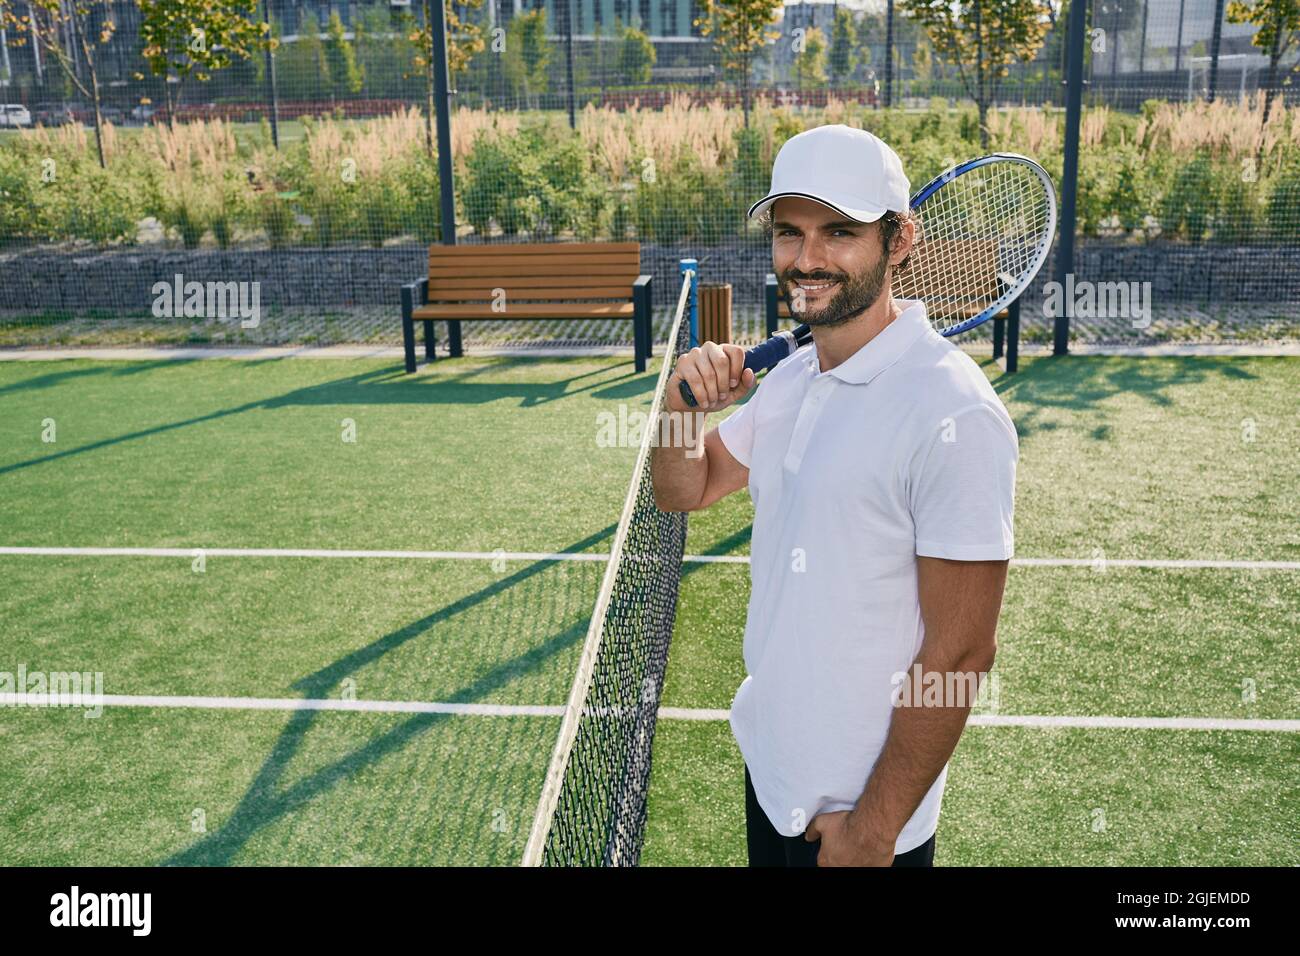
point(978, 235)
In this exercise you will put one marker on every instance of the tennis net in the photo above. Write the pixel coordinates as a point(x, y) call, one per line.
point(593, 807)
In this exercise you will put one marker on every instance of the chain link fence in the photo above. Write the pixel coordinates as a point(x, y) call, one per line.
point(307, 175)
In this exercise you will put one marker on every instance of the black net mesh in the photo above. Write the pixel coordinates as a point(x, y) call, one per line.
point(600, 812)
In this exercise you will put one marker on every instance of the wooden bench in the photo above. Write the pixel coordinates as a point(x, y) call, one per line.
point(559, 280)
point(1006, 324)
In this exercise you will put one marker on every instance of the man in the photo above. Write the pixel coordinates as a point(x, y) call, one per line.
point(882, 468)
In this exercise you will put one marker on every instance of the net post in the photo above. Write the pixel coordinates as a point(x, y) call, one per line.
point(693, 304)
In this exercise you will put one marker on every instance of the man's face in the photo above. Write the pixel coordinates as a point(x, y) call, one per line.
point(829, 268)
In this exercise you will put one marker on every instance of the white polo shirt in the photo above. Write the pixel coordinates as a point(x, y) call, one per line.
point(902, 450)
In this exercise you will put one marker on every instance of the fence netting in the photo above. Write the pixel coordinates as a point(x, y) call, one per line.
point(288, 149)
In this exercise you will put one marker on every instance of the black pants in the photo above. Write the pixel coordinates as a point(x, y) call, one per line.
point(768, 847)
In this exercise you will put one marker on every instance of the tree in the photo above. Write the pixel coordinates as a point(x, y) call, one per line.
point(184, 38)
point(527, 53)
point(636, 55)
point(60, 27)
point(341, 59)
point(464, 40)
point(302, 64)
point(810, 61)
point(981, 39)
point(740, 30)
point(384, 55)
point(842, 57)
point(923, 68)
point(1278, 23)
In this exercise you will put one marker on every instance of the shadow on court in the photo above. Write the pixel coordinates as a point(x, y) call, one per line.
point(384, 386)
point(268, 800)
point(68, 376)
point(1083, 383)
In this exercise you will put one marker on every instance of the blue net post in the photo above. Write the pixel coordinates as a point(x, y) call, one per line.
point(693, 306)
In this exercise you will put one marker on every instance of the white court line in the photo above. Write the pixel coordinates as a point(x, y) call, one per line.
point(1154, 563)
point(313, 553)
point(1135, 723)
point(591, 556)
point(1013, 720)
point(665, 713)
point(296, 703)
point(263, 353)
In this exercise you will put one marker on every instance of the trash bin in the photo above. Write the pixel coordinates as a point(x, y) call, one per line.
point(715, 313)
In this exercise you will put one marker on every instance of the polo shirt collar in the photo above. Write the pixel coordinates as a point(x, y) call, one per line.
point(885, 349)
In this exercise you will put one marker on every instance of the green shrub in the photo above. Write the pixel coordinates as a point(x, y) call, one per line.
point(17, 206)
point(1283, 210)
point(1239, 210)
point(501, 176)
point(1131, 194)
point(1190, 204)
point(276, 217)
point(422, 213)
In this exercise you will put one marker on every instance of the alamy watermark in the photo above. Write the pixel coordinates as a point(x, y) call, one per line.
point(1099, 300)
point(626, 428)
point(179, 299)
point(130, 910)
point(921, 688)
point(24, 688)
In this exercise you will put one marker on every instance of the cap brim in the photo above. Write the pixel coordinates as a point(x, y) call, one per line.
point(861, 215)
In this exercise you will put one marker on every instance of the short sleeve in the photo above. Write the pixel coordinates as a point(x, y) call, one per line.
point(962, 491)
point(737, 429)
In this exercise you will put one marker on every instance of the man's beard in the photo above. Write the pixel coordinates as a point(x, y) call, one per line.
point(853, 297)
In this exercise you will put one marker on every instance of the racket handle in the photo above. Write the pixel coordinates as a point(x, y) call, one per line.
point(761, 358)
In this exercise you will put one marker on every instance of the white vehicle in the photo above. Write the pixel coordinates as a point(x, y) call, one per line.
point(14, 114)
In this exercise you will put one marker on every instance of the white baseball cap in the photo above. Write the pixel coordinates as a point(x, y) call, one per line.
point(852, 171)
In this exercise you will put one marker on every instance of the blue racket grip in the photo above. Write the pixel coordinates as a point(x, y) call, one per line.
point(761, 358)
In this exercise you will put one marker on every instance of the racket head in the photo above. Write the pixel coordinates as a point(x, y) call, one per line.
point(985, 228)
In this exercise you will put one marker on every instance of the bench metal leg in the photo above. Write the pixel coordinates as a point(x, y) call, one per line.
point(430, 343)
point(1013, 336)
point(647, 322)
point(408, 326)
point(642, 330)
point(453, 338)
point(640, 342)
point(999, 330)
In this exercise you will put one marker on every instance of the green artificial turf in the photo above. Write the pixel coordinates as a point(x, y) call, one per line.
point(1120, 458)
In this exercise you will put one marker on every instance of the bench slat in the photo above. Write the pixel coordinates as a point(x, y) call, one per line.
point(439, 293)
point(536, 248)
point(537, 265)
point(578, 274)
point(558, 285)
point(529, 310)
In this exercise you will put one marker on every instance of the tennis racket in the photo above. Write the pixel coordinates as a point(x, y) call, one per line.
point(984, 228)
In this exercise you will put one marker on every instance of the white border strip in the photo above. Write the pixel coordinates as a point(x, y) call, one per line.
point(594, 556)
point(665, 713)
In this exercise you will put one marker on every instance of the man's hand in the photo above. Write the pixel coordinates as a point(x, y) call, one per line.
point(717, 377)
point(846, 842)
